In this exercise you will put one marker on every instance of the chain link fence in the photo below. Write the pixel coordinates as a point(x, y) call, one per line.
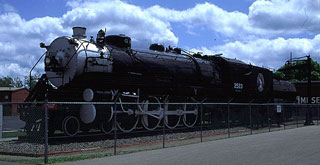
point(52, 131)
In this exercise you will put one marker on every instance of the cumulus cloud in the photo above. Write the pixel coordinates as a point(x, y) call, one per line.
point(252, 37)
point(290, 16)
point(266, 18)
point(13, 69)
point(119, 17)
point(231, 24)
point(19, 38)
point(268, 53)
point(7, 8)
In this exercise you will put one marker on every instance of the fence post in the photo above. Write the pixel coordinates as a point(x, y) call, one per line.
point(318, 115)
point(164, 126)
point(250, 117)
point(115, 128)
point(201, 120)
point(297, 116)
point(1, 118)
point(284, 119)
point(268, 115)
point(228, 120)
point(46, 131)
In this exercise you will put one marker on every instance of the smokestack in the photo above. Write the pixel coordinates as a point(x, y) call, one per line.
point(79, 32)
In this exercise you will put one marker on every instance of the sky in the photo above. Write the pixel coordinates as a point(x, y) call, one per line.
point(260, 32)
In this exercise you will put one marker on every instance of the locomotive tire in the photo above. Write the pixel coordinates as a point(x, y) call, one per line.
point(71, 125)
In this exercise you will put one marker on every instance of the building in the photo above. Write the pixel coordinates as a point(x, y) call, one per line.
point(12, 94)
point(302, 88)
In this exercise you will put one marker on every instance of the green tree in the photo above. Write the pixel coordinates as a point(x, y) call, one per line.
point(10, 82)
point(298, 74)
point(6, 82)
point(34, 79)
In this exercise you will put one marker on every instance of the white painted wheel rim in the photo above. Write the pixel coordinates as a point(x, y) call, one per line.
point(65, 124)
point(145, 118)
point(185, 122)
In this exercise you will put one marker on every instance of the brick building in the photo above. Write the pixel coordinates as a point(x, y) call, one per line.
point(11, 94)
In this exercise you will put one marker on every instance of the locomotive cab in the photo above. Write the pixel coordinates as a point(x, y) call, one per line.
point(241, 81)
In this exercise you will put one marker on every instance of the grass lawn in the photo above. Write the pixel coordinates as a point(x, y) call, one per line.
point(12, 134)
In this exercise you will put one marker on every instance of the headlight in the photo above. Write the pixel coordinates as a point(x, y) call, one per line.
point(47, 60)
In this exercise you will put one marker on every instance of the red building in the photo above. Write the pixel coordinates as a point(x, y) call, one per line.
point(11, 94)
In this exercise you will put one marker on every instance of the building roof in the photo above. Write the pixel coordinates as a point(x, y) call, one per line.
point(10, 89)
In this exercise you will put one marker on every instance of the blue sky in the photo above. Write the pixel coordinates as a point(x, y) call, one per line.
point(40, 8)
point(261, 32)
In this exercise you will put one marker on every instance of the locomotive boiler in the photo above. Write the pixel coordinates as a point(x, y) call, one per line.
point(109, 70)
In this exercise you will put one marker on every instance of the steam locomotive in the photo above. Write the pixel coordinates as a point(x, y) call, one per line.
point(109, 70)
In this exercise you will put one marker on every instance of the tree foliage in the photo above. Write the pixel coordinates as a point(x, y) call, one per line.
point(34, 79)
point(10, 82)
point(300, 74)
point(17, 82)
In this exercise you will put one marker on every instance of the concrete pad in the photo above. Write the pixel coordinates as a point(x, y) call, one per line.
point(12, 123)
point(294, 146)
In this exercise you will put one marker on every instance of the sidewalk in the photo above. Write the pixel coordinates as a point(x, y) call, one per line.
point(10, 163)
point(294, 146)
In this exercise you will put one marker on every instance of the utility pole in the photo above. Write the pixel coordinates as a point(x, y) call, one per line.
point(309, 113)
point(308, 66)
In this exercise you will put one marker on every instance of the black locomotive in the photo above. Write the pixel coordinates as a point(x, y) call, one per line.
point(109, 70)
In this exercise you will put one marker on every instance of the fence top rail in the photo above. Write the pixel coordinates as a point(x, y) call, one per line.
point(172, 103)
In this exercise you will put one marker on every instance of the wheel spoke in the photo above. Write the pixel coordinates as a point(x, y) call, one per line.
point(106, 127)
point(171, 120)
point(190, 116)
point(126, 118)
point(127, 126)
point(151, 117)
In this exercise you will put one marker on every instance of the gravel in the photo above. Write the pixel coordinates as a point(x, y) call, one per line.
point(34, 149)
point(15, 147)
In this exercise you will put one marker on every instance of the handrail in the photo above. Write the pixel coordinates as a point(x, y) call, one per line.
point(73, 55)
point(30, 73)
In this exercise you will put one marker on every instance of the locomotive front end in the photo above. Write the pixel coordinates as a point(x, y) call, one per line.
point(68, 57)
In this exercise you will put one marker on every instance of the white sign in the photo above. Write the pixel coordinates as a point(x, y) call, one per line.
point(278, 108)
point(304, 100)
